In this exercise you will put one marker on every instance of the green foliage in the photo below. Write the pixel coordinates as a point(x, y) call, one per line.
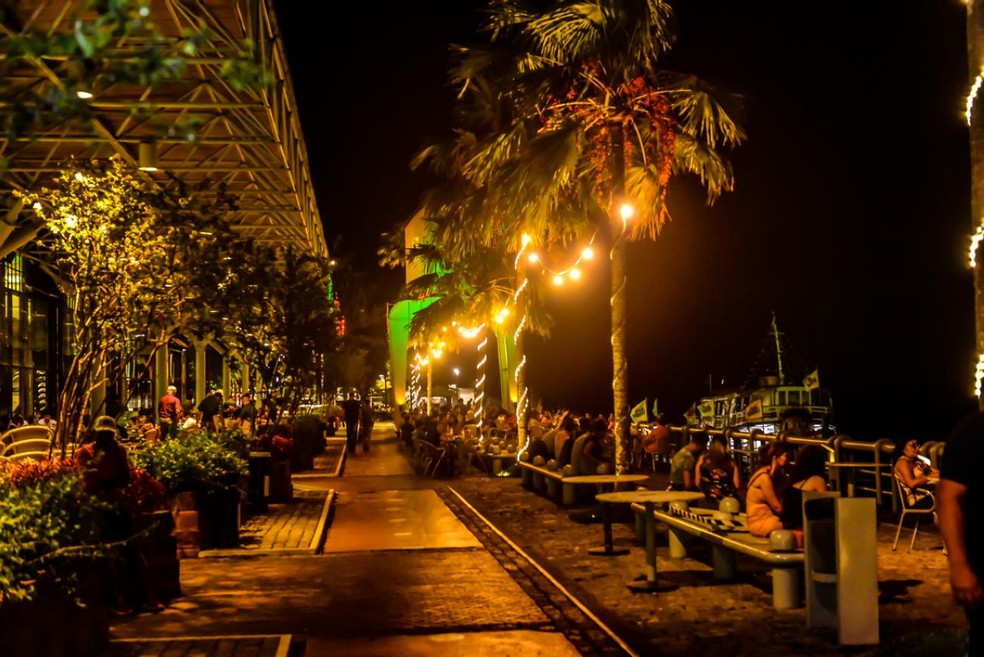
point(90, 51)
point(49, 527)
point(195, 463)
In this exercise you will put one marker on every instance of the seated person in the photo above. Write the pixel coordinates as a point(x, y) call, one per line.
point(762, 502)
point(809, 475)
point(913, 471)
point(684, 463)
point(595, 450)
point(717, 474)
point(564, 439)
point(657, 441)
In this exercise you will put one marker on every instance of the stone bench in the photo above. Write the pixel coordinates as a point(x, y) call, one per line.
point(727, 539)
point(542, 479)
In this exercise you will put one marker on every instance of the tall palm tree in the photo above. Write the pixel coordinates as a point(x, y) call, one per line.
point(594, 123)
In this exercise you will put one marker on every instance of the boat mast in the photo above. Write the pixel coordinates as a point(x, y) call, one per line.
point(775, 332)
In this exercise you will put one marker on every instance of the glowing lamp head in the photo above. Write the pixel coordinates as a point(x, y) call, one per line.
point(575, 274)
point(533, 258)
point(626, 211)
point(558, 280)
point(587, 253)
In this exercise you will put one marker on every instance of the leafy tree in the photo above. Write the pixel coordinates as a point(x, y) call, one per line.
point(591, 122)
point(103, 232)
point(71, 61)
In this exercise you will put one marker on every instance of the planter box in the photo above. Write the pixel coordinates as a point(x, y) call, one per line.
point(281, 487)
point(52, 624)
point(207, 521)
point(159, 547)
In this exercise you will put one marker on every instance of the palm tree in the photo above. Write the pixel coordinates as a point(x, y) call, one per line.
point(593, 124)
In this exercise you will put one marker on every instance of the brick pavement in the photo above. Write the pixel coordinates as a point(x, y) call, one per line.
point(701, 616)
point(916, 614)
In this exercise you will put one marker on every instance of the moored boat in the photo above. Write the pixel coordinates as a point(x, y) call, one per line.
point(772, 400)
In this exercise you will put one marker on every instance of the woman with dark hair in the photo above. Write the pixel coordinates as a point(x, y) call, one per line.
point(762, 503)
point(809, 474)
point(716, 473)
point(913, 471)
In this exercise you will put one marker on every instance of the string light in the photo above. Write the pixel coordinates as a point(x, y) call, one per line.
point(975, 241)
point(480, 381)
point(979, 375)
point(519, 329)
point(573, 271)
point(972, 97)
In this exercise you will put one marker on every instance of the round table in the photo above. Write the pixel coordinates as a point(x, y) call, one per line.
point(649, 498)
point(605, 480)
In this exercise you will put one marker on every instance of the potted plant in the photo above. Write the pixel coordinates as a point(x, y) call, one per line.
point(205, 474)
point(50, 592)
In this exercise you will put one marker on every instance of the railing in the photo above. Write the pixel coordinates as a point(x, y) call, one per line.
point(877, 480)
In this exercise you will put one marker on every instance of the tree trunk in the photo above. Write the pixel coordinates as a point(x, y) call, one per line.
point(975, 58)
point(620, 366)
point(522, 394)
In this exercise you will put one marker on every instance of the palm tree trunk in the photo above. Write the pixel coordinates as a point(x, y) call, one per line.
point(620, 366)
point(975, 57)
point(522, 394)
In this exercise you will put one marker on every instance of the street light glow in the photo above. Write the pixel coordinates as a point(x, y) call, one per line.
point(627, 211)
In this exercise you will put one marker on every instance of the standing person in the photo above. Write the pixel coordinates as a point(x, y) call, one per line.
point(351, 408)
point(210, 408)
point(366, 420)
point(959, 499)
point(246, 414)
point(169, 413)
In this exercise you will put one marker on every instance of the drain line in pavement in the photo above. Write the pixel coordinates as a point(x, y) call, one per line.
point(560, 587)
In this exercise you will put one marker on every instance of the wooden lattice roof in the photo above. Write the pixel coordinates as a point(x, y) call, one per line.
point(250, 139)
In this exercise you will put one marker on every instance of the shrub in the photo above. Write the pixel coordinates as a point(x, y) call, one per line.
point(49, 527)
point(197, 462)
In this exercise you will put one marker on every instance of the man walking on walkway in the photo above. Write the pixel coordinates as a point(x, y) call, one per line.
point(352, 408)
point(169, 413)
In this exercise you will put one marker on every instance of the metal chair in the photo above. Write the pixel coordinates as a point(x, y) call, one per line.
point(27, 445)
point(428, 456)
point(26, 432)
point(918, 507)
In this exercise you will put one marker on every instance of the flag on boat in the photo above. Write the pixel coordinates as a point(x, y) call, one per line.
point(706, 409)
point(640, 412)
point(690, 415)
point(812, 380)
point(754, 410)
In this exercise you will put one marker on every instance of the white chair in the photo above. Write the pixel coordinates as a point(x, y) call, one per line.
point(925, 504)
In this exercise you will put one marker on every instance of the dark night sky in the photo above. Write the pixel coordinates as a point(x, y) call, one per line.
point(850, 218)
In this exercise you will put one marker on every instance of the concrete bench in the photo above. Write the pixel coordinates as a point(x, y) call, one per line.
point(727, 540)
point(541, 479)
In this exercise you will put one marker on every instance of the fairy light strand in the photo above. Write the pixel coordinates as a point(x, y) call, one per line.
point(975, 241)
point(979, 375)
point(972, 98)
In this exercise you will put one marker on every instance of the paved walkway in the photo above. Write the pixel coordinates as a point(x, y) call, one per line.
point(398, 574)
point(403, 566)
